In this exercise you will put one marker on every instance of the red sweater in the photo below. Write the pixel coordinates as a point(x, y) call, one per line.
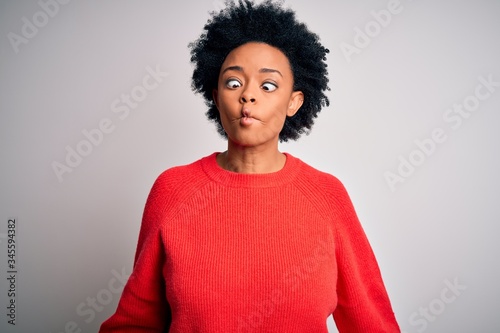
point(220, 252)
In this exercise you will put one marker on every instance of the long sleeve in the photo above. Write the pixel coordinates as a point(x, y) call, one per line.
point(226, 252)
point(363, 304)
point(143, 306)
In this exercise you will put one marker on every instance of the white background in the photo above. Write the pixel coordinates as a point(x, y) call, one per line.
point(438, 227)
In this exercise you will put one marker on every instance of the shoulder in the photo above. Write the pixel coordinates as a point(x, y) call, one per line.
point(171, 189)
point(330, 197)
point(178, 175)
point(324, 188)
point(322, 181)
point(177, 183)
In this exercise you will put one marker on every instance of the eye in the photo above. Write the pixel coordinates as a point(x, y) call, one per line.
point(233, 84)
point(268, 86)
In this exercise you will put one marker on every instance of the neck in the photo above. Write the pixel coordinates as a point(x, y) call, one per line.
point(251, 159)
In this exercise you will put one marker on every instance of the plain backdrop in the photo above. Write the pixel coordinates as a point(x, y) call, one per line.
point(428, 71)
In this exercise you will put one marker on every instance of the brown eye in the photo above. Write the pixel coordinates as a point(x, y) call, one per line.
point(268, 86)
point(233, 84)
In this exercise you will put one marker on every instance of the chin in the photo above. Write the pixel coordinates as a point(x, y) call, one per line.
point(242, 142)
point(249, 139)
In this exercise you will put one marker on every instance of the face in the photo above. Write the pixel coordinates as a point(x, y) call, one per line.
point(255, 94)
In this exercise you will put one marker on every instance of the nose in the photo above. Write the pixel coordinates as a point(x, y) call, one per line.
point(247, 96)
point(247, 100)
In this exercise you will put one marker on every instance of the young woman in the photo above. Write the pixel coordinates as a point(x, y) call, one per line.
point(253, 239)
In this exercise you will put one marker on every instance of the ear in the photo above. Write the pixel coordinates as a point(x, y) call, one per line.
point(215, 95)
point(296, 101)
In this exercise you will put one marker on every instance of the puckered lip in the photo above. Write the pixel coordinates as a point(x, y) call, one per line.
point(246, 117)
point(247, 113)
point(247, 121)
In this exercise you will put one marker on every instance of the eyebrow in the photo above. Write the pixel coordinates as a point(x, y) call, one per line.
point(262, 70)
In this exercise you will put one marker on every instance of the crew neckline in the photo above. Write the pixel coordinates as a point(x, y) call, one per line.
point(234, 179)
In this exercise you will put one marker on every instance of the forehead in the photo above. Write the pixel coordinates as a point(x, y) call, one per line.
point(255, 56)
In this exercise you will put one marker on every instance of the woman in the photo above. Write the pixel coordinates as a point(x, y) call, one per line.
point(252, 239)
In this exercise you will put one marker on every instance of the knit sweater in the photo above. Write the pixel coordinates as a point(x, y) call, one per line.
point(220, 251)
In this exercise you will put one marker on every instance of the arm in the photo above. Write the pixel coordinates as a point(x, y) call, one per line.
point(363, 304)
point(143, 306)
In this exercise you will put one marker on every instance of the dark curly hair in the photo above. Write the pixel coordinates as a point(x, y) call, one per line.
point(243, 22)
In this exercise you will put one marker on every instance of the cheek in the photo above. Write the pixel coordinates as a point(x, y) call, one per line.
point(280, 109)
point(276, 119)
point(278, 116)
point(225, 100)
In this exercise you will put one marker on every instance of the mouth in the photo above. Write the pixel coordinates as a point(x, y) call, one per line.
point(246, 119)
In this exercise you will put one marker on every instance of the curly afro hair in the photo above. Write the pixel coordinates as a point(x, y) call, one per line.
point(268, 22)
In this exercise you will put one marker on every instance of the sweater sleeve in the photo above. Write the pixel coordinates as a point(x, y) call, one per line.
point(363, 304)
point(143, 306)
